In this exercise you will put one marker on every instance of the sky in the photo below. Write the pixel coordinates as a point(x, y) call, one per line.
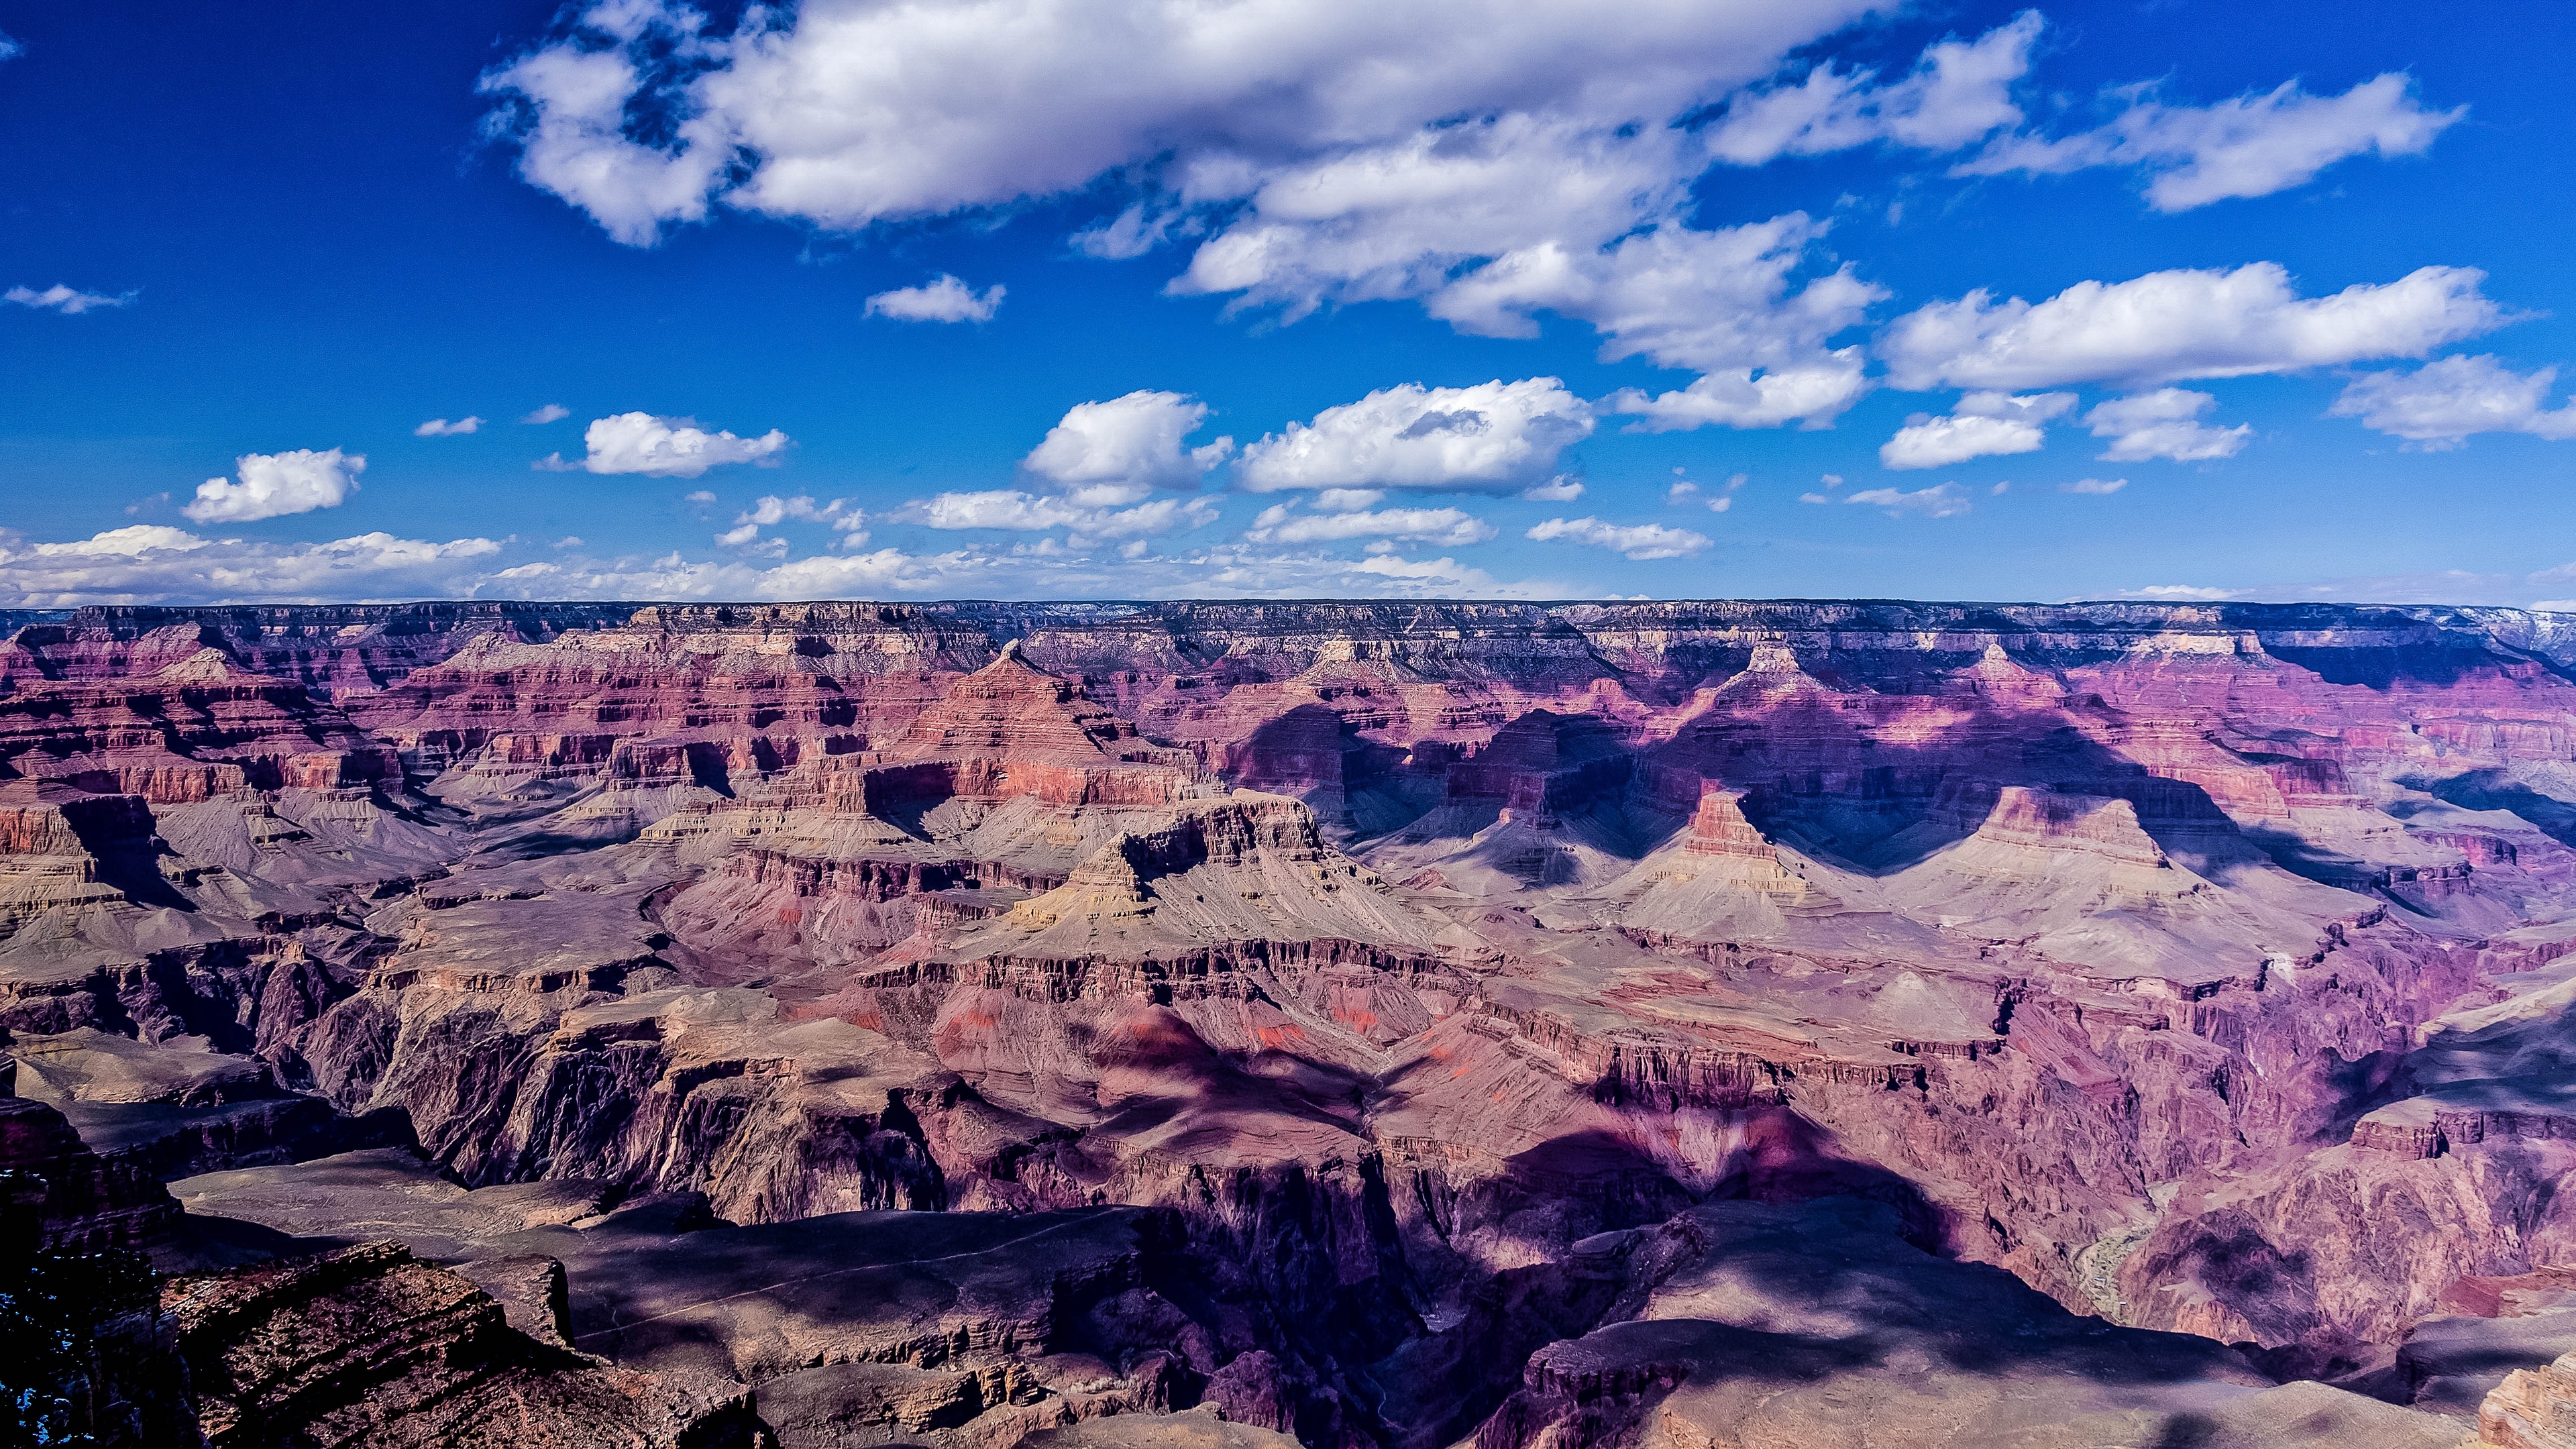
point(1292, 298)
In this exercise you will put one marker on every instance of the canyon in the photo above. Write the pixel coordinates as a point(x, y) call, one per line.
point(1378, 1026)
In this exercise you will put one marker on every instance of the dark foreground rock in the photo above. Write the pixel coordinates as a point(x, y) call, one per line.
point(368, 1346)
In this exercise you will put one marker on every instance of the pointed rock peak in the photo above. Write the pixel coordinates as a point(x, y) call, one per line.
point(1720, 828)
point(2029, 816)
point(1999, 673)
point(1011, 664)
point(1773, 670)
point(206, 666)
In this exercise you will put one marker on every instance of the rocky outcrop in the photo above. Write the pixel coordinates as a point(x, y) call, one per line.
point(77, 1203)
point(367, 1346)
point(2532, 1409)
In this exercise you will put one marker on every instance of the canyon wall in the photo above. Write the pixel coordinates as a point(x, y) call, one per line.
point(2192, 970)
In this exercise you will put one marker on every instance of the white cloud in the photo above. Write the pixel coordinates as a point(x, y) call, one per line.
point(2541, 589)
point(2099, 487)
point(1442, 527)
point(132, 541)
point(845, 113)
point(59, 298)
point(1983, 424)
point(1494, 437)
point(1739, 399)
point(942, 299)
point(2253, 145)
point(152, 565)
point(2440, 404)
point(550, 413)
point(1639, 541)
point(2164, 424)
point(666, 447)
point(2183, 591)
point(1563, 488)
point(1717, 302)
point(147, 563)
point(1958, 92)
point(2169, 325)
point(1109, 453)
point(272, 485)
point(841, 515)
point(1945, 501)
point(1348, 500)
point(1012, 509)
point(1493, 159)
point(442, 428)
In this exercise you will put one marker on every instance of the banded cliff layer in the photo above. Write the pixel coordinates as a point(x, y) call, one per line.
point(1412, 1021)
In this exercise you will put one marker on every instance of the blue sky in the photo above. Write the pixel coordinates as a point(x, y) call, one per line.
point(1318, 298)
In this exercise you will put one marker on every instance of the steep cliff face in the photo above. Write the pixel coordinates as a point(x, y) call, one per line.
point(2204, 967)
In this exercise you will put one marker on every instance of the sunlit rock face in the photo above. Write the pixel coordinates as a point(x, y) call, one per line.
point(1430, 986)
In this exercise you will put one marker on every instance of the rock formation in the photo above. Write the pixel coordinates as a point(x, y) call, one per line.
point(1383, 1012)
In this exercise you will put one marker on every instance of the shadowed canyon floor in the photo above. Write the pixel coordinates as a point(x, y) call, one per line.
point(1386, 1026)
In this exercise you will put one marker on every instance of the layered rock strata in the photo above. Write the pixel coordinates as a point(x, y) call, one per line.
point(2201, 967)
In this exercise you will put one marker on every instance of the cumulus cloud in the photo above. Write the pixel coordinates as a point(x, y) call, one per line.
point(2099, 487)
point(1948, 500)
point(2179, 592)
point(1563, 488)
point(1490, 161)
point(1441, 527)
point(665, 447)
point(1984, 424)
point(550, 413)
point(846, 113)
point(152, 564)
point(1095, 475)
point(2438, 405)
point(1638, 541)
point(2253, 145)
point(942, 299)
point(1958, 92)
point(1723, 303)
point(1118, 452)
point(840, 515)
point(1012, 509)
point(1740, 399)
point(442, 428)
point(59, 298)
point(1494, 437)
point(132, 541)
point(2165, 326)
point(2164, 424)
point(271, 485)
point(147, 563)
